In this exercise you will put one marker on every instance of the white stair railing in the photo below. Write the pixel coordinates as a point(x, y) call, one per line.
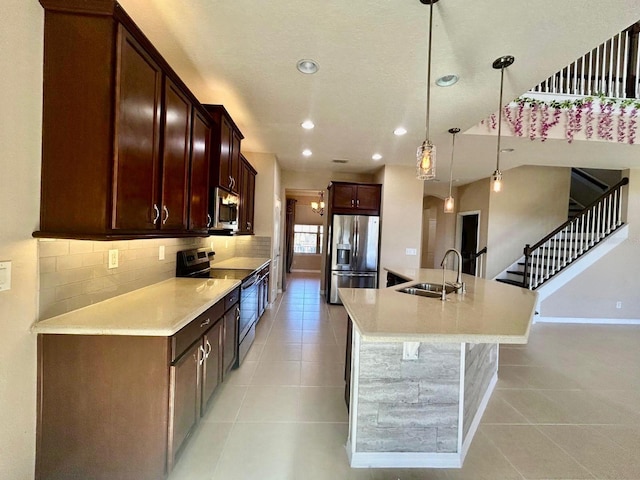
point(573, 238)
point(612, 69)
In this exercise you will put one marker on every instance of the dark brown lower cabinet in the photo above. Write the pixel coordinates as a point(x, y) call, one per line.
point(117, 406)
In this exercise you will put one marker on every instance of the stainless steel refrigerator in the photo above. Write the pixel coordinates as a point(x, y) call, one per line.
point(353, 253)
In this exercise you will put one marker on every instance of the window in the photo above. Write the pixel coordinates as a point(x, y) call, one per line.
point(307, 239)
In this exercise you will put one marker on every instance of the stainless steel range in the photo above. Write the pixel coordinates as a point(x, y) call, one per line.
point(196, 263)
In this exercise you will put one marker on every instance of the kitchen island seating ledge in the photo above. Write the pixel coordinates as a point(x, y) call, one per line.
point(420, 371)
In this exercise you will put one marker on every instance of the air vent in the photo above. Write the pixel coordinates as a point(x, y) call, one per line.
point(340, 161)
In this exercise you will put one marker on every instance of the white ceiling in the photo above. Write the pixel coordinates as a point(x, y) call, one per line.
point(372, 78)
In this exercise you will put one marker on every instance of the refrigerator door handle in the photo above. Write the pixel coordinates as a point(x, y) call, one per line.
point(349, 274)
point(356, 222)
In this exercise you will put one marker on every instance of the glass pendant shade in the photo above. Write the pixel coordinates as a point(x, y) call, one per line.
point(496, 181)
point(449, 205)
point(426, 161)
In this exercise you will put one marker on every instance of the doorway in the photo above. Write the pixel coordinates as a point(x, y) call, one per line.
point(468, 229)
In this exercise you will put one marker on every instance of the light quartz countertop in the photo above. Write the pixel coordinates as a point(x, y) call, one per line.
point(237, 263)
point(489, 311)
point(157, 310)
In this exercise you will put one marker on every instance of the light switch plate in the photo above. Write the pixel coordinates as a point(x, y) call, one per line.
point(411, 251)
point(161, 252)
point(5, 276)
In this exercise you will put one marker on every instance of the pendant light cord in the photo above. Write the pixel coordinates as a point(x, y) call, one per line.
point(500, 118)
point(429, 72)
point(453, 147)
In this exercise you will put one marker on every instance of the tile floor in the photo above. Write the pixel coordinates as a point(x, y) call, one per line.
point(567, 405)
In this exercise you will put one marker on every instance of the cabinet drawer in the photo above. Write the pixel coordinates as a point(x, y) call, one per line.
point(231, 299)
point(195, 329)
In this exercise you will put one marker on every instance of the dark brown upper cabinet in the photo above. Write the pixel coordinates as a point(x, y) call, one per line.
point(225, 154)
point(199, 218)
point(247, 197)
point(355, 198)
point(119, 154)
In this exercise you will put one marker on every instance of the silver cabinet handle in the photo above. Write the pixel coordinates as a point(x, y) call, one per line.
point(208, 220)
point(248, 224)
point(352, 203)
point(208, 350)
point(230, 181)
point(358, 202)
point(205, 323)
point(201, 358)
point(237, 313)
point(157, 212)
point(166, 212)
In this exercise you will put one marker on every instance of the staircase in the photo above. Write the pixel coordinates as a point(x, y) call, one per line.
point(569, 241)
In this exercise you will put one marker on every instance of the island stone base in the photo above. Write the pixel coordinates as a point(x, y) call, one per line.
point(417, 404)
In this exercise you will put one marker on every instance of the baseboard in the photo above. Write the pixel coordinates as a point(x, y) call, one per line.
point(594, 321)
point(403, 460)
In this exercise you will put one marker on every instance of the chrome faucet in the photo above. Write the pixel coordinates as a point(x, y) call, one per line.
point(458, 284)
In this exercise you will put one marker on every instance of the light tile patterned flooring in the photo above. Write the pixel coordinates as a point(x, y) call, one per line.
point(567, 405)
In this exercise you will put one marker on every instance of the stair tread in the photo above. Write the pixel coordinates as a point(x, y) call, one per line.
point(509, 282)
point(516, 272)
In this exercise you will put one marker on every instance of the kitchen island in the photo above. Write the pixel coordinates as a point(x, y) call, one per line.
point(420, 371)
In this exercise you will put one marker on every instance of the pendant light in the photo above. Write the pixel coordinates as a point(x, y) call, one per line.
point(426, 154)
point(318, 207)
point(449, 202)
point(501, 63)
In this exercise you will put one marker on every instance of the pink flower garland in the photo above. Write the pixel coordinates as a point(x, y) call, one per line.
point(577, 116)
point(631, 138)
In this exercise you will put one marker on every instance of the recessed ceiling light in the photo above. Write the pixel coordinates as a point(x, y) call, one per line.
point(447, 80)
point(400, 131)
point(376, 156)
point(307, 66)
point(306, 152)
point(307, 125)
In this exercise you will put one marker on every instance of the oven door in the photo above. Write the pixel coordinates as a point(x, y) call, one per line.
point(248, 306)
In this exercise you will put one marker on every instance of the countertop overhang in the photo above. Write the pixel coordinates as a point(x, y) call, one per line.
point(489, 311)
point(156, 310)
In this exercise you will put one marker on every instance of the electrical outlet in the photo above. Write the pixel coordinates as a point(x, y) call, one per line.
point(113, 258)
point(161, 252)
point(410, 350)
point(411, 251)
point(5, 276)
point(618, 304)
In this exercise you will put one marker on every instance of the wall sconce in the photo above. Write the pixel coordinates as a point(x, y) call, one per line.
point(318, 207)
point(449, 202)
point(426, 154)
point(501, 63)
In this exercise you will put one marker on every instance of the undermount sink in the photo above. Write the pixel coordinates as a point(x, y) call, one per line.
point(431, 290)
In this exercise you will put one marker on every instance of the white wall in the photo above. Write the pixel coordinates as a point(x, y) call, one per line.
point(401, 217)
point(534, 201)
point(267, 222)
point(21, 48)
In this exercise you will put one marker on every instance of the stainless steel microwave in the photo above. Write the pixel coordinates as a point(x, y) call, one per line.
point(226, 211)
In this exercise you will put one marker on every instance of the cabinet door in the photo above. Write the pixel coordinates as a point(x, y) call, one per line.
point(230, 338)
point(234, 162)
point(211, 366)
point(199, 176)
point(184, 397)
point(137, 137)
point(344, 196)
point(368, 197)
point(175, 158)
point(250, 206)
point(226, 133)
